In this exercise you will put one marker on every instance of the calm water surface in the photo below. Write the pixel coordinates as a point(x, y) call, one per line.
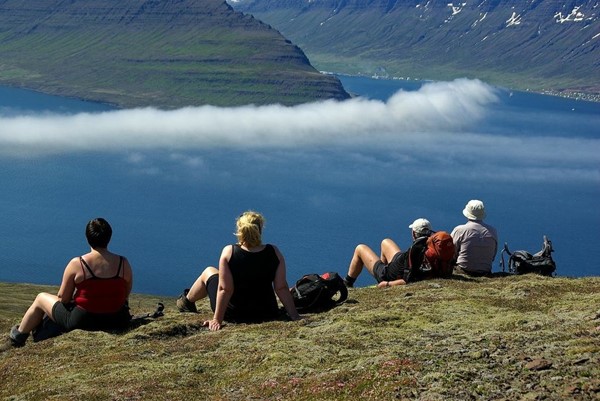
point(173, 210)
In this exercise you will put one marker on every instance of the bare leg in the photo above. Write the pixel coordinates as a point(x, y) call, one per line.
point(388, 249)
point(42, 304)
point(198, 290)
point(363, 256)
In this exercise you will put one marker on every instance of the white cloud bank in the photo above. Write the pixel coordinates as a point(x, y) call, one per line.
point(439, 120)
point(440, 106)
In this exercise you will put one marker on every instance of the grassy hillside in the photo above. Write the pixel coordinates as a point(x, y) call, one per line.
point(514, 338)
point(169, 53)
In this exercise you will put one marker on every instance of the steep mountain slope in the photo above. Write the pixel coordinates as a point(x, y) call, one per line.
point(536, 44)
point(166, 53)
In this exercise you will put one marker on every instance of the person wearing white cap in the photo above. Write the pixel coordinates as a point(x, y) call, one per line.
point(391, 266)
point(476, 242)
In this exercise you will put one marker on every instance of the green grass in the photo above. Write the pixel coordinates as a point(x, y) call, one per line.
point(160, 60)
point(437, 340)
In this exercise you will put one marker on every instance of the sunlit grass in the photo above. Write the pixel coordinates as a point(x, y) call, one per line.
point(443, 339)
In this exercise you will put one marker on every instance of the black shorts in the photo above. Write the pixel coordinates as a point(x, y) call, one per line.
point(71, 317)
point(390, 272)
point(212, 286)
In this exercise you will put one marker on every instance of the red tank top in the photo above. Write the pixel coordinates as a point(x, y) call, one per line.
point(101, 295)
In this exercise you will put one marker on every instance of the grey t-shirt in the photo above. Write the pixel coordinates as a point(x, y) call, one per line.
point(476, 244)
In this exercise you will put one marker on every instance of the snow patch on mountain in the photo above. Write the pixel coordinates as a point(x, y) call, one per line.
point(482, 17)
point(515, 19)
point(456, 8)
point(574, 16)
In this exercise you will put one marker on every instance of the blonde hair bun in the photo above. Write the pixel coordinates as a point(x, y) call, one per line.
point(249, 228)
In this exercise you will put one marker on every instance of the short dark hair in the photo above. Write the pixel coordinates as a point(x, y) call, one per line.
point(98, 233)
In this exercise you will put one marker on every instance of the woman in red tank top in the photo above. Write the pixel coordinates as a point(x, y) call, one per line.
point(93, 292)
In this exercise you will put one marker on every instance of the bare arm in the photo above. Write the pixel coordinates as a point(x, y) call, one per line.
point(385, 284)
point(282, 289)
point(127, 275)
point(67, 286)
point(225, 289)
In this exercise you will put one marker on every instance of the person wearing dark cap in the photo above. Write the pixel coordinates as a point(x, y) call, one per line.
point(476, 242)
point(390, 267)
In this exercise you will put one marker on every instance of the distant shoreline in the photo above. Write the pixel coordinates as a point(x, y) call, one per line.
point(573, 95)
point(566, 93)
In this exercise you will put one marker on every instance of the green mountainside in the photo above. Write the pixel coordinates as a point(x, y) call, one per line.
point(543, 45)
point(165, 53)
point(512, 338)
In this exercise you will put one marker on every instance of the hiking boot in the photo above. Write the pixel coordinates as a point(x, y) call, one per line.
point(348, 283)
point(16, 337)
point(184, 304)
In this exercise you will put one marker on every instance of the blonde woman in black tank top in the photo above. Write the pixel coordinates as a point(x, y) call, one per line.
point(249, 276)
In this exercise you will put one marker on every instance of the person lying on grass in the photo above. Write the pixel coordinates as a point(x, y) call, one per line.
point(391, 267)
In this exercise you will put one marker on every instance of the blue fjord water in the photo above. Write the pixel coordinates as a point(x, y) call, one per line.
point(532, 159)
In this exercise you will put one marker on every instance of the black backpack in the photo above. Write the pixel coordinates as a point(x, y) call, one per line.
point(522, 262)
point(315, 292)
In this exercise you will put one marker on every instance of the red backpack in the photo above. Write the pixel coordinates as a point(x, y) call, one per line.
point(439, 255)
point(434, 260)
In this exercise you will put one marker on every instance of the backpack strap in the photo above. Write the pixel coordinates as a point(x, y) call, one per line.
point(334, 280)
point(408, 273)
point(504, 250)
point(309, 278)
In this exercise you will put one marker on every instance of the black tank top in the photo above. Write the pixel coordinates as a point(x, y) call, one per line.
point(253, 298)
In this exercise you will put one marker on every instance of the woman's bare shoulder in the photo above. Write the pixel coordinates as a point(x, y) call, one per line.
point(73, 267)
point(227, 251)
point(75, 261)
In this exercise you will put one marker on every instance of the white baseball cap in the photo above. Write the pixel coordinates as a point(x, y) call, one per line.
point(421, 226)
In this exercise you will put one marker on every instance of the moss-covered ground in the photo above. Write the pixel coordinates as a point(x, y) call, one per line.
point(509, 338)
